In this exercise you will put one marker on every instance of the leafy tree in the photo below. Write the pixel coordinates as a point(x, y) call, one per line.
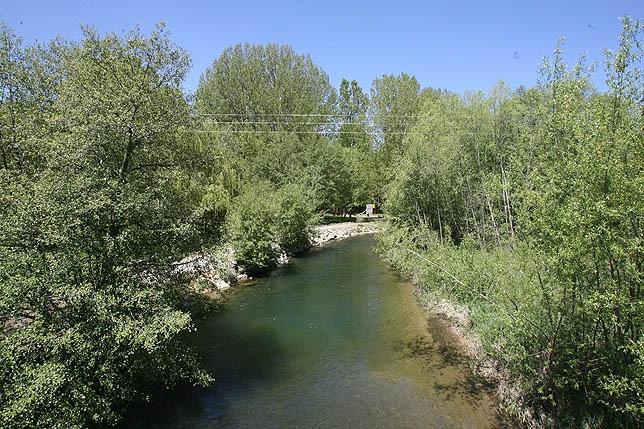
point(89, 305)
point(352, 107)
point(295, 219)
point(328, 174)
point(262, 86)
point(268, 222)
point(581, 207)
point(27, 80)
point(364, 170)
point(541, 191)
point(394, 107)
point(253, 230)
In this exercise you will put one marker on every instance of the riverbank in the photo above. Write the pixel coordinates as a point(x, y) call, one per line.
point(448, 283)
point(339, 231)
point(215, 272)
point(456, 320)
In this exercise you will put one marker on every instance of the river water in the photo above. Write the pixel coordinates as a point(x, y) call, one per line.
point(334, 339)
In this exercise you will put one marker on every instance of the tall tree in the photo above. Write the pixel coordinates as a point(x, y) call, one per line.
point(352, 108)
point(395, 103)
point(266, 87)
point(88, 309)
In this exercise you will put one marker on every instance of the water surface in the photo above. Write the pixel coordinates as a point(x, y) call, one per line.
point(334, 339)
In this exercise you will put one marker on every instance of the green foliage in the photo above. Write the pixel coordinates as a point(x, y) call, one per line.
point(582, 208)
point(541, 193)
point(253, 230)
point(394, 106)
point(295, 219)
point(523, 206)
point(267, 223)
point(107, 180)
point(366, 179)
point(329, 175)
point(266, 104)
point(94, 209)
point(352, 108)
point(258, 84)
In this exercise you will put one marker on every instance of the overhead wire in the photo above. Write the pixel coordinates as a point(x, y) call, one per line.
point(325, 115)
point(235, 120)
point(321, 132)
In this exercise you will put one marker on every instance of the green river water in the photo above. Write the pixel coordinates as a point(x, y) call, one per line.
point(334, 339)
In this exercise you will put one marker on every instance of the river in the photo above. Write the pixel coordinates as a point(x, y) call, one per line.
point(334, 339)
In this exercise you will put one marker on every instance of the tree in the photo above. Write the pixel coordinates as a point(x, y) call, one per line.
point(90, 308)
point(542, 192)
point(27, 86)
point(253, 230)
point(295, 219)
point(581, 207)
point(394, 109)
point(352, 108)
point(262, 86)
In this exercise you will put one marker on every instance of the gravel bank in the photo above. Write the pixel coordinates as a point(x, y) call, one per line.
point(338, 231)
point(216, 272)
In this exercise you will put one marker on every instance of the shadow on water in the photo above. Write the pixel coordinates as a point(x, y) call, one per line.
point(244, 358)
point(252, 353)
point(437, 358)
point(452, 381)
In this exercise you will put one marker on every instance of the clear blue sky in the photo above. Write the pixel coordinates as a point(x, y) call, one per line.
point(458, 45)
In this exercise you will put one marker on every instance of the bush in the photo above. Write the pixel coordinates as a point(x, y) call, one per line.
point(91, 312)
point(267, 223)
point(253, 230)
point(295, 218)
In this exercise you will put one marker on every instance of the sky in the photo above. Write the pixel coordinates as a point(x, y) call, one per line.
point(455, 45)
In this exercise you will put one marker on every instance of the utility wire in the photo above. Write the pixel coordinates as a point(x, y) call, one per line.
point(319, 115)
point(365, 123)
point(285, 132)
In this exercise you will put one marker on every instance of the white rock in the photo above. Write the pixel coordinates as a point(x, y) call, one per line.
point(221, 284)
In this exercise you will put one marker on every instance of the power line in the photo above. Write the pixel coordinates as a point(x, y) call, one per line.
point(292, 132)
point(271, 114)
point(319, 115)
point(321, 132)
point(282, 123)
point(341, 123)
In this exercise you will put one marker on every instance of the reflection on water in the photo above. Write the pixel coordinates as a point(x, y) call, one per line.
point(332, 340)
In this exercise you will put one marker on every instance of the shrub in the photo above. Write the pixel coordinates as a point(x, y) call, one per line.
point(295, 218)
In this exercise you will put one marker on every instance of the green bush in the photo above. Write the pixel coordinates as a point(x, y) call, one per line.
point(295, 219)
point(267, 223)
point(253, 230)
point(526, 207)
point(91, 310)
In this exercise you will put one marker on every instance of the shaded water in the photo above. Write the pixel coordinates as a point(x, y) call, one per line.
point(334, 339)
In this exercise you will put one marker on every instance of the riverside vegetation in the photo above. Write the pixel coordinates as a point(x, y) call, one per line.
point(524, 206)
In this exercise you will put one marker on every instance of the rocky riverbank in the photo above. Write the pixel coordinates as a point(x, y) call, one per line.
point(338, 231)
point(216, 272)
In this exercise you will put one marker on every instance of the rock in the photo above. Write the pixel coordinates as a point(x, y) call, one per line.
point(283, 259)
point(221, 284)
